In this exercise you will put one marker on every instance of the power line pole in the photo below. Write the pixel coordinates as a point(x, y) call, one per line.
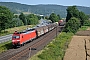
point(30, 49)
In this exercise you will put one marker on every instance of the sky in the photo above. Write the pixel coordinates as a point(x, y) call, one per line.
point(58, 2)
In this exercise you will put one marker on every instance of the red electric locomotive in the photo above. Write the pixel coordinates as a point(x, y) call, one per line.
point(19, 38)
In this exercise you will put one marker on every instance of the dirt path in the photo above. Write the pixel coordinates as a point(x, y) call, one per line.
point(79, 48)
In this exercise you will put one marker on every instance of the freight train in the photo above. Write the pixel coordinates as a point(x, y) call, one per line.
point(20, 38)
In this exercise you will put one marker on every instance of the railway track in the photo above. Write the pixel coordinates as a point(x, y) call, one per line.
point(23, 53)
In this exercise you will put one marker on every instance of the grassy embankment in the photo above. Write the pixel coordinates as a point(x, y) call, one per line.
point(7, 45)
point(56, 49)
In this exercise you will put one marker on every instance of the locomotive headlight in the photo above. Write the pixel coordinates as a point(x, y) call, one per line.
point(15, 40)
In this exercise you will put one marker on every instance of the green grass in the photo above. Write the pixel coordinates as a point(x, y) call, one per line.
point(83, 28)
point(56, 49)
point(5, 46)
point(12, 30)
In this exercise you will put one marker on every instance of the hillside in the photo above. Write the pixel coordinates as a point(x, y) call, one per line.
point(41, 9)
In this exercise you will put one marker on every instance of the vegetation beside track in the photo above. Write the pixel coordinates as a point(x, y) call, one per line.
point(5, 46)
point(56, 49)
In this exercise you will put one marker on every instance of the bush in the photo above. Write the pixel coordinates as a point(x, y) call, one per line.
point(72, 25)
point(87, 23)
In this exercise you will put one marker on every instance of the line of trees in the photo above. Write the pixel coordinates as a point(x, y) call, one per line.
point(30, 19)
point(75, 19)
point(9, 20)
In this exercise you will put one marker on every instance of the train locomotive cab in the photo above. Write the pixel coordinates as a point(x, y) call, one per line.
point(16, 38)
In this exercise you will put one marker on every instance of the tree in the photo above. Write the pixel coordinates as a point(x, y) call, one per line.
point(88, 15)
point(82, 18)
point(16, 22)
point(5, 18)
point(72, 11)
point(87, 23)
point(72, 25)
point(39, 17)
point(53, 17)
point(47, 17)
point(32, 19)
point(23, 18)
point(59, 18)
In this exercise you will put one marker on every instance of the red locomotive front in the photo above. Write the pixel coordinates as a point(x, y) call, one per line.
point(16, 38)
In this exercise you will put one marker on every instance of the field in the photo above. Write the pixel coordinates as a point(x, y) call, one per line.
point(12, 30)
point(79, 47)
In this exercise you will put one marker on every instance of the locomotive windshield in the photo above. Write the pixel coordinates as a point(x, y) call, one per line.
point(16, 37)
